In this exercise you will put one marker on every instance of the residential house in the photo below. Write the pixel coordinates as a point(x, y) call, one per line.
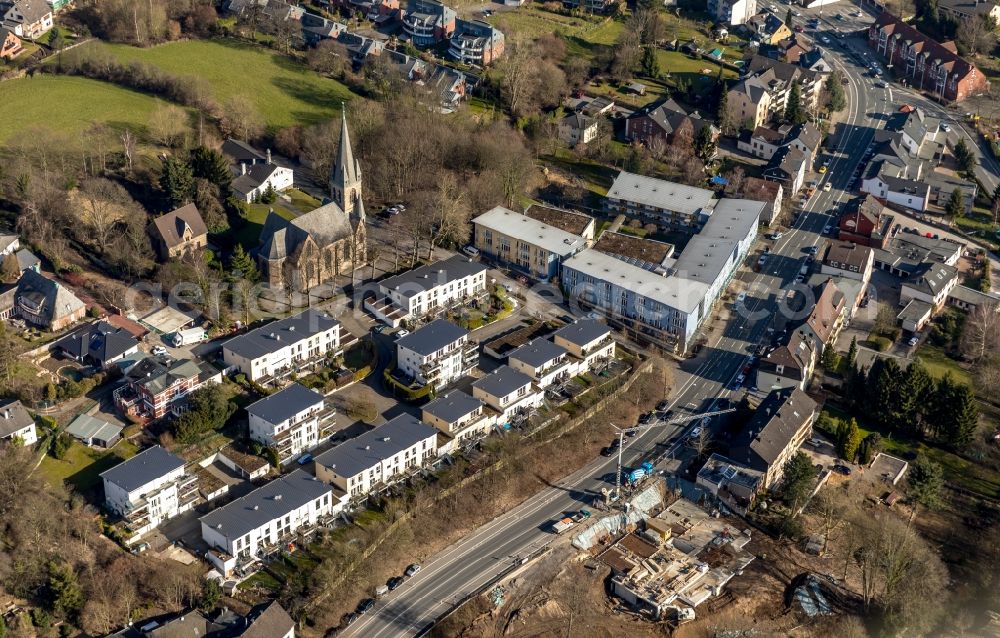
point(663, 122)
point(98, 343)
point(10, 44)
point(869, 224)
point(148, 489)
point(255, 173)
point(461, 417)
point(268, 518)
point(27, 260)
point(17, 424)
point(962, 10)
point(429, 290)
point(427, 22)
point(437, 353)
point(28, 19)
point(772, 193)
point(48, 304)
point(179, 233)
point(789, 365)
point(897, 184)
point(291, 421)
point(510, 392)
point(768, 28)
point(286, 346)
point(156, 386)
point(524, 243)
point(267, 620)
point(590, 6)
point(763, 92)
point(932, 284)
point(733, 484)
point(967, 299)
point(668, 204)
point(732, 12)
point(815, 62)
point(762, 141)
point(475, 42)
point(807, 138)
point(778, 428)
point(94, 432)
point(750, 103)
point(927, 64)
point(577, 128)
point(379, 457)
point(791, 49)
point(826, 318)
point(849, 260)
point(588, 340)
point(788, 166)
point(544, 361)
point(316, 28)
point(648, 254)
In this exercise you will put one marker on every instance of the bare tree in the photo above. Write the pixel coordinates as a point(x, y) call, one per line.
point(168, 125)
point(981, 334)
point(128, 149)
point(241, 118)
point(516, 73)
point(829, 506)
point(976, 34)
point(104, 204)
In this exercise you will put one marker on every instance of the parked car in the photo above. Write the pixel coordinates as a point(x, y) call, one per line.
point(696, 432)
point(763, 258)
point(842, 469)
point(881, 85)
point(914, 340)
point(609, 451)
point(471, 251)
point(365, 605)
point(662, 405)
point(394, 582)
point(412, 570)
point(945, 127)
point(827, 187)
point(402, 333)
point(742, 297)
point(158, 351)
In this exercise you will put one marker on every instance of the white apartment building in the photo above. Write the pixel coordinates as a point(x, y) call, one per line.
point(148, 489)
point(545, 362)
point(588, 340)
point(430, 289)
point(437, 353)
point(292, 421)
point(532, 246)
point(509, 392)
point(460, 416)
point(378, 457)
point(269, 516)
point(17, 424)
point(285, 346)
point(732, 12)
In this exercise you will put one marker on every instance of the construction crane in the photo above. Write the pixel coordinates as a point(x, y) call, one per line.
point(636, 428)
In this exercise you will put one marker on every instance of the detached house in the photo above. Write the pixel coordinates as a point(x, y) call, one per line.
point(437, 353)
point(179, 233)
point(26, 18)
point(869, 224)
point(291, 421)
point(663, 122)
point(768, 28)
point(16, 424)
point(147, 489)
point(788, 166)
point(10, 44)
point(510, 392)
point(43, 302)
point(577, 128)
point(378, 457)
point(254, 172)
point(153, 387)
point(99, 343)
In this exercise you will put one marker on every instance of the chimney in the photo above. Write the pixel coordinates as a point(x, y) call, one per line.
point(269, 156)
point(243, 168)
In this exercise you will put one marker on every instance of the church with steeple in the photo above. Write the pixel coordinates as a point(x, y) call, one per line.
point(317, 247)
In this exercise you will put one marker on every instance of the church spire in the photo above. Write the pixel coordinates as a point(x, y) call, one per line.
point(345, 176)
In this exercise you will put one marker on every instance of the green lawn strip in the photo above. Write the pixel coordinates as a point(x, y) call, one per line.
point(249, 233)
point(66, 104)
point(81, 467)
point(938, 363)
point(285, 91)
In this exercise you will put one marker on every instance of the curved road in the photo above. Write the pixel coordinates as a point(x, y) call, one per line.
point(479, 558)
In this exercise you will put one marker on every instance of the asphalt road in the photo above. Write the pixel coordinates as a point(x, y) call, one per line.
point(484, 554)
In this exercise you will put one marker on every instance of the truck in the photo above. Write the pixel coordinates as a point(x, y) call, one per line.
point(564, 524)
point(186, 337)
point(634, 475)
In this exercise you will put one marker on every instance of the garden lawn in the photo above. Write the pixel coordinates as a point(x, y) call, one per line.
point(938, 364)
point(285, 91)
point(249, 233)
point(66, 104)
point(82, 466)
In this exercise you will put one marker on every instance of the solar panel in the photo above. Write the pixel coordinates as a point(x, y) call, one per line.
point(729, 472)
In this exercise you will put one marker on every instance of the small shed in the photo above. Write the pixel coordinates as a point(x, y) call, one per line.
point(94, 432)
point(636, 87)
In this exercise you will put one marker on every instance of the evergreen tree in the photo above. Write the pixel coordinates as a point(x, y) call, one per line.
point(938, 410)
point(797, 480)
point(270, 195)
point(883, 386)
point(56, 40)
point(788, 18)
point(926, 481)
point(242, 263)
point(64, 592)
point(965, 158)
point(963, 417)
point(857, 387)
point(834, 85)
point(852, 354)
point(830, 360)
point(650, 63)
point(869, 448)
point(177, 182)
point(793, 110)
point(915, 388)
point(210, 164)
point(848, 439)
point(956, 204)
point(211, 594)
point(704, 146)
point(722, 114)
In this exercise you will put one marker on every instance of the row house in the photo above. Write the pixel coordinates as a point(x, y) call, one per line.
point(475, 42)
point(379, 457)
point(588, 340)
point(928, 65)
point(460, 417)
point(292, 421)
point(437, 354)
point(544, 361)
point(849, 260)
point(428, 22)
point(286, 346)
point(429, 290)
point(148, 489)
point(155, 387)
point(509, 392)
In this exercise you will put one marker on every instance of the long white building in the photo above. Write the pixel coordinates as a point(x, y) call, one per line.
point(429, 289)
point(285, 346)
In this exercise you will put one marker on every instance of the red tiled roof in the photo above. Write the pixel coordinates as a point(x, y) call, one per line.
point(924, 45)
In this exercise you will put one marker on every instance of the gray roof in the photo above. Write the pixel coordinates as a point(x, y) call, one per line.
point(285, 403)
point(27, 259)
point(88, 427)
point(265, 504)
point(660, 193)
point(431, 337)
point(418, 280)
point(531, 231)
point(271, 622)
point(452, 406)
point(973, 297)
point(362, 452)
point(502, 381)
point(280, 237)
point(915, 311)
point(538, 352)
point(171, 226)
point(143, 468)
point(933, 278)
point(773, 426)
point(277, 334)
point(99, 339)
point(156, 375)
point(240, 151)
point(583, 331)
point(55, 300)
point(709, 252)
point(13, 418)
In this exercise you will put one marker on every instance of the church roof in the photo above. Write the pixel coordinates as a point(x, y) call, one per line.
point(280, 237)
point(347, 170)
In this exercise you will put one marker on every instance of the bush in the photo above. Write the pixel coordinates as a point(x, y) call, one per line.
point(881, 344)
point(61, 445)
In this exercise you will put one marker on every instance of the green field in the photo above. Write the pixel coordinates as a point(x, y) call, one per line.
point(938, 364)
point(285, 91)
point(69, 105)
point(82, 465)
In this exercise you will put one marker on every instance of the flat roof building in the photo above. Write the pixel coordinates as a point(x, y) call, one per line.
point(525, 243)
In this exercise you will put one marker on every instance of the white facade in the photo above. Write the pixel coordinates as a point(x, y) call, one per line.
point(553, 365)
point(732, 12)
point(471, 420)
point(598, 348)
point(291, 431)
point(436, 361)
point(513, 400)
point(280, 179)
point(912, 200)
point(283, 346)
point(152, 499)
point(435, 286)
